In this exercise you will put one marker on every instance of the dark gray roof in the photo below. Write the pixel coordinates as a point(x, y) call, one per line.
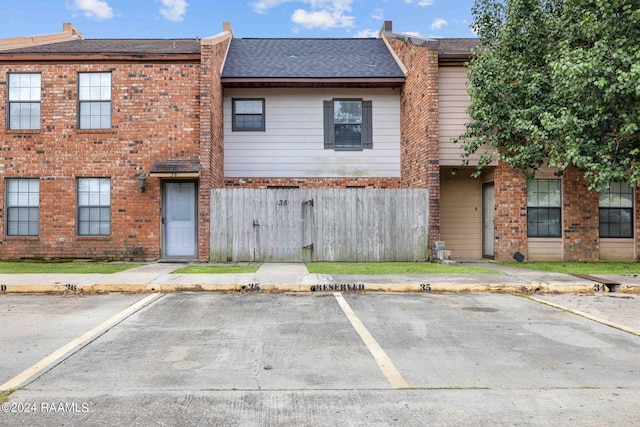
point(113, 47)
point(457, 48)
point(310, 58)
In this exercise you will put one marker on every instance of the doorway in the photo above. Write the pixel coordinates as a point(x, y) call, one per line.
point(488, 225)
point(179, 220)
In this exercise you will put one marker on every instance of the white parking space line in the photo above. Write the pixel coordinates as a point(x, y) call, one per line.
point(588, 316)
point(384, 362)
point(29, 374)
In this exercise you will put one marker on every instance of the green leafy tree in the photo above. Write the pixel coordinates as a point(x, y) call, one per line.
point(558, 81)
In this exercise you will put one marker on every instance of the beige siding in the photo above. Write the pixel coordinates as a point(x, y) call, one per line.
point(544, 249)
point(453, 101)
point(293, 143)
point(461, 214)
point(617, 250)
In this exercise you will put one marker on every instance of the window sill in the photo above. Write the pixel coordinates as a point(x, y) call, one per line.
point(617, 239)
point(23, 131)
point(348, 149)
point(99, 131)
point(21, 237)
point(546, 239)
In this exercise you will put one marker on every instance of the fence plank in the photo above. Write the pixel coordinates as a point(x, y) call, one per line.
point(265, 225)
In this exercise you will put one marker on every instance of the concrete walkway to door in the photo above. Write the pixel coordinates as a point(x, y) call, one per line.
point(282, 273)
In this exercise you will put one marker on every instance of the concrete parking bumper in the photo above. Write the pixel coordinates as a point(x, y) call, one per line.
point(157, 277)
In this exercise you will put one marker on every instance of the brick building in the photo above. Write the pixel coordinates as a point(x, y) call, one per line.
point(111, 148)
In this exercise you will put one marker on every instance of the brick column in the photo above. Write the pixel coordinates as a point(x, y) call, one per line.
point(510, 213)
point(213, 53)
point(580, 218)
point(420, 151)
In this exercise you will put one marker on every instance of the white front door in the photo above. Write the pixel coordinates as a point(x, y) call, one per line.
point(488, 229)
point(180, 220)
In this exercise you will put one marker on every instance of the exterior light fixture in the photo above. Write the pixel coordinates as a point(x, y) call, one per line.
point(455, 171)
point(142, 182)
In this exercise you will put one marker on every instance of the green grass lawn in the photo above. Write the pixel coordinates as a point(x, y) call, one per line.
point(217, 269)
point(391, 268)
point(580, 267)
point(63, 267)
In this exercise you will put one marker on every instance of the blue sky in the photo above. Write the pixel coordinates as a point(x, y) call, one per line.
point(249, 18)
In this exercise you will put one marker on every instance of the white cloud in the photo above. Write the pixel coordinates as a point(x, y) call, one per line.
point(92, 9)
point(262, 6)
point(323, 14)
point(377, 14)
point(413, 33)
point(364, 34)
point(324, 19)
point(438, 23)
point(173, 10)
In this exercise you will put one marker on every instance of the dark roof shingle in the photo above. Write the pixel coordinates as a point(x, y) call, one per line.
point(310, 58)
point(457, 48)
point(113, 47)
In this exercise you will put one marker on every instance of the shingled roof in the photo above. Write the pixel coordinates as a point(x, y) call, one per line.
point(112, 47)
point(311, 59)
point(456, 49)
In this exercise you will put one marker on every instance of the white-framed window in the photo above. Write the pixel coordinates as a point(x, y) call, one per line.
point(24, 101)
point(23, 206)
point(94, 206)
point(348, 124)
point(616, 210)
point(248, 114)
point(94, 98)
point(544, 208)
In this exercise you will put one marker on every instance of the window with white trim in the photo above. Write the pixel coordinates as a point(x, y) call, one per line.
point(544, 208)
point(23, 207)
point(24, 101)
point(94, 98)
point(616, 210)
point(94, 206)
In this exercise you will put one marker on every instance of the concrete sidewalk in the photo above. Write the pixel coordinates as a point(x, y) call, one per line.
point(157, 277)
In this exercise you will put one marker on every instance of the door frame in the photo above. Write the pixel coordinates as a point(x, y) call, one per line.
point(163, 223)
point(485, 185)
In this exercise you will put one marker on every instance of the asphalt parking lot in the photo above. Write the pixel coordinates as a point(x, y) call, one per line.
point(317, 359)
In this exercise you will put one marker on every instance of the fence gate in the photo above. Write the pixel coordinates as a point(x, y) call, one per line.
point(298, 225)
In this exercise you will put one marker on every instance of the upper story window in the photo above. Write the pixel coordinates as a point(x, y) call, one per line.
point(24, 101)
point(23, 207)
point(616, 210)
point(544, 207)
point(248, 115)
point(348, 124)
point(94, 206)
point(94, 97)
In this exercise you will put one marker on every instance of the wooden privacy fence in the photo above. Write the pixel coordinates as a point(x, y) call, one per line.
point(298, 225)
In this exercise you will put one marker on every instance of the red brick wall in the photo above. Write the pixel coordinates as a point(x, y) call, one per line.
point(580, 218)
point(155, 111)
point(419, 124)
point(510, 216)
point(211, 136)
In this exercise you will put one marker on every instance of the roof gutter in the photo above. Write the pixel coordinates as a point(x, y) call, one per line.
point(312, 82)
